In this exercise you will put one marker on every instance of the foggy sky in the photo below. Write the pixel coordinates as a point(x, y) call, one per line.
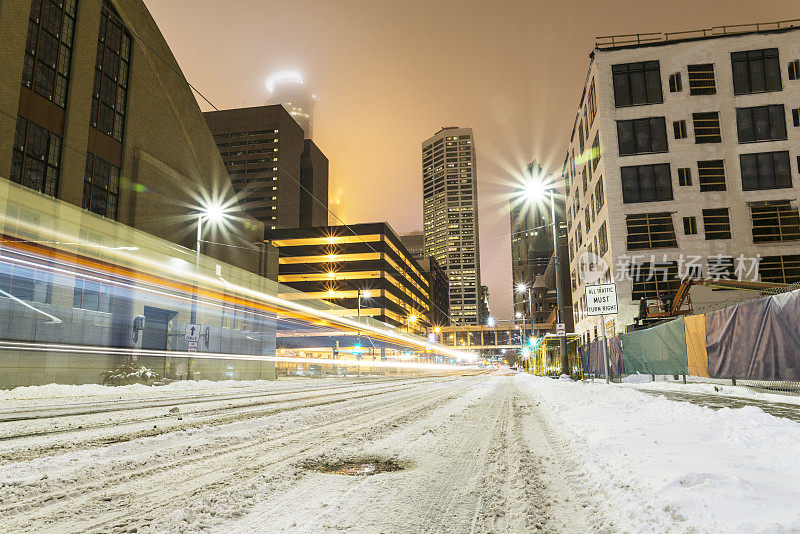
point(389, 74)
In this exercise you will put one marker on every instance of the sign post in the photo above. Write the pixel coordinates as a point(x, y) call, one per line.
point(192, 336)
point(601, 300)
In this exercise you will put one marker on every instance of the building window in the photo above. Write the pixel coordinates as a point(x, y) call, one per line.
point(91, 295)
point(716, 223)
point(599, 195)
point(637, 83)
point(111, 75)
point(679, 129)
point(711, 175)
point(602, 240)
point(766, 170)
point(706, 127)
point(794, 69)
point(36, 158)
point(684, 177)
point(689, 225)
point(780, 269)
point(24, 283)
point(775, 221)
point(796, 117)
point(592, 103)
point(658, 279)
point(650, 230)
point(761, 123)
point(701, 79)
point(587, 217)
point(646, 183)
point(101, 187)
point(675, 85)
point(756, 71)
point(642, 136)
point(596, 151)
point(48, 50)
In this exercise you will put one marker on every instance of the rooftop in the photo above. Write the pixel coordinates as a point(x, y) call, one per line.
point(632, 40)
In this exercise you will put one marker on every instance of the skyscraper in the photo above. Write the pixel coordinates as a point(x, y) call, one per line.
point(268, 159)
point(288, 89)
point(450, 216)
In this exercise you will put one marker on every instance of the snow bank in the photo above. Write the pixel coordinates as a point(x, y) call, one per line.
point(708, 388)
point(677, 465)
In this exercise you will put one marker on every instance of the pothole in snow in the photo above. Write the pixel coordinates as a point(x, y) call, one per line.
point(359, 467)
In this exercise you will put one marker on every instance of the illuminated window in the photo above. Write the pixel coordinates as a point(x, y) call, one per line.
point(101, 187)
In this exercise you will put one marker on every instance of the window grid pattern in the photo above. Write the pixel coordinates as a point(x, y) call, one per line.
point(756, 71)
point(716, 223)
point(701, 79)
point(711, 175)
point(36, 158)
point(765, 170)
point(780, 269)
point(101, 187)
point(642, 136)
point(646, 183)
point(111, 75)
point(761, 123)
point(775, 221)
point(637, 83)
point(659, 279)
point(48, 49)
point(650, 230)
point(706, 127)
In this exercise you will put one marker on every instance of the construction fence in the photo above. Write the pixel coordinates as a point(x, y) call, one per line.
point(756, 340)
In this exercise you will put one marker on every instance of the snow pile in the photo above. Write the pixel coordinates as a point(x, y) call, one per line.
point(708, 388)
point(673, 466)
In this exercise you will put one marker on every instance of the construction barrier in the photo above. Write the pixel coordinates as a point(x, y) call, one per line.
point(660, 350)
point(752, 340)
point(545, 359)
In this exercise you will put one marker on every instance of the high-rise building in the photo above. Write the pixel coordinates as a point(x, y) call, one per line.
point(288, 89)
point(314, 182)
point(485, 312)
point(681, 164)
point(268, 159)
point(450, 216)
point(414, 243)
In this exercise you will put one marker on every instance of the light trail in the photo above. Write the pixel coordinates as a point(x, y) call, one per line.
point(87, 349)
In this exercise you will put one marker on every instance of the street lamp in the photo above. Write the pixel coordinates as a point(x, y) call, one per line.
point(522, 288)
point(215, 214)
point(412, 318)
point(535, 190)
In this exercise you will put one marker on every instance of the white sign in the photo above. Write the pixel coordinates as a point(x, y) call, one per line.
point(601, 299)
point(561, 329)
point(192, 332)
point(192, 346)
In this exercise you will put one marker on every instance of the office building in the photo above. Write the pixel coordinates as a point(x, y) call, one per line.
point(363, 268)
point(288, 88)
point(450, 217)
point(683, 162)
point(268, 159)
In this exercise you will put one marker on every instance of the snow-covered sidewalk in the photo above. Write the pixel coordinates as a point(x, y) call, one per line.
point(674, 466)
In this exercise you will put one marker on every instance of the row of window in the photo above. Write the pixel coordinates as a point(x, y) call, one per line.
point(753, 71)
point(772, 221)
point(653, 183)
point(753, 124)
point(48, 49)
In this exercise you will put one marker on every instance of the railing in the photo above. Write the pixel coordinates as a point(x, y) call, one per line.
point(615, 41)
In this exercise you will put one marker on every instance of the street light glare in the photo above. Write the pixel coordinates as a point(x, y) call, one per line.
point(214, 212)
point(522, 287)
point(534, 190)
point(366, 294)
point(490, 321)
point(412, 318)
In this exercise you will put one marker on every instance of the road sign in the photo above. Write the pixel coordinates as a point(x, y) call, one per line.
point(192, 346)
point(561, 329)
point(601, 299)
point(192, 332)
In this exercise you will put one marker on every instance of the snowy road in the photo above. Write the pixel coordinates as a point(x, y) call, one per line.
point(483, 453)
point(473, 448)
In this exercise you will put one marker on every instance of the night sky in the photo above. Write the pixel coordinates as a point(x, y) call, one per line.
point(389, 74)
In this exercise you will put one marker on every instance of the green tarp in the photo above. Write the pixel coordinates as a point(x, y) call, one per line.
point(660, 350)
